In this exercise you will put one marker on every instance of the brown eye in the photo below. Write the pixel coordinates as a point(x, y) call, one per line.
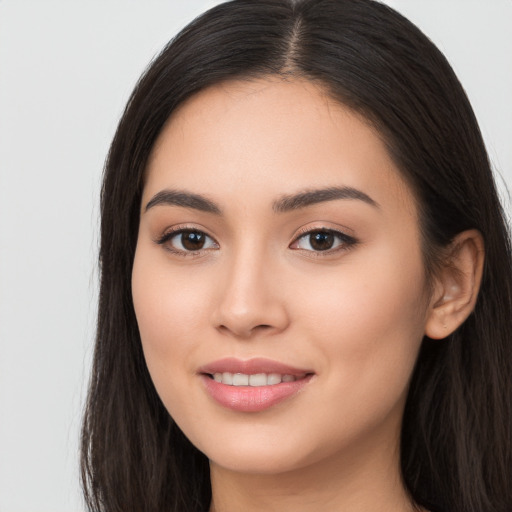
point(321, 240)
point(193, 240)
point(187, 241)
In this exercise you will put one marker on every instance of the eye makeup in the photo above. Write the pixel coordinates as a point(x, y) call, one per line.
point(185, 240)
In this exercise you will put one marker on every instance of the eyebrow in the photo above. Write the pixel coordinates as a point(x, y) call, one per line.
point(311, 197)
point(184, 199)
point(284, 204)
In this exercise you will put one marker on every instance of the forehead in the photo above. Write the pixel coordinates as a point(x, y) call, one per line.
point(262, 136)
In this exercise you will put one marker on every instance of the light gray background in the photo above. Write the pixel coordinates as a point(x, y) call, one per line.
point(66, 70)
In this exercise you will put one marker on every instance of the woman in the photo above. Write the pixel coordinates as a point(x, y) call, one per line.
point(306, 284)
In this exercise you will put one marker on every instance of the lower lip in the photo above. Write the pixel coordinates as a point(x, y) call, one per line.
point(252, 399)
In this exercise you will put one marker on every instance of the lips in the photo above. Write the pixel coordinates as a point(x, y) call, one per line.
point(253, 385)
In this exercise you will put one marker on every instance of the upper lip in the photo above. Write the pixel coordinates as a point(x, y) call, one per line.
point(251, 367)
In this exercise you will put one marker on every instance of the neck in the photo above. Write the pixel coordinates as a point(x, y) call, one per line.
point(347, 482)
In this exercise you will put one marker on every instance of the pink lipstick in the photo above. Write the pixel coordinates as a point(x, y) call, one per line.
point(253, 385)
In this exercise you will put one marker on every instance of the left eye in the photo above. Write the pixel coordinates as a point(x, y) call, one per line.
point(188, 240)
point(322, 240)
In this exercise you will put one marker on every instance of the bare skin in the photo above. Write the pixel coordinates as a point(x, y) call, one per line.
point(227, 265)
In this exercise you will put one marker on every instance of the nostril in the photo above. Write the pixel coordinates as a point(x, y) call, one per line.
point(245, 333)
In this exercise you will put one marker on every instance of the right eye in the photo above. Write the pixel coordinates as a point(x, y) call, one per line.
point(187, 241)
point(323, 241)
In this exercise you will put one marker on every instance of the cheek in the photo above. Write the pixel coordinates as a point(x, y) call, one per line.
point(169, 310)
point(369, 321)
point(373, 295)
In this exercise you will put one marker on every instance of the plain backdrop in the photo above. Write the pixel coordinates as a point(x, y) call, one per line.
point(66, 70)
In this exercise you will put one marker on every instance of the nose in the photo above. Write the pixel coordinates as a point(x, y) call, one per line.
point(250, 300)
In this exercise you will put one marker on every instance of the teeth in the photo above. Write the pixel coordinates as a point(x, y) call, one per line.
point(255, 380)
point(240, 379)
point(273, 378)
point(260, 379)
point(227, 378)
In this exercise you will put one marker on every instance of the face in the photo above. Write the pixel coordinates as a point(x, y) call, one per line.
point(278, 280)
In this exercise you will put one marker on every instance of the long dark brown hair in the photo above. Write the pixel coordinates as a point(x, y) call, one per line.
point(456, 444)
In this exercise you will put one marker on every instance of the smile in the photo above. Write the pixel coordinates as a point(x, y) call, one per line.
point(253, 385)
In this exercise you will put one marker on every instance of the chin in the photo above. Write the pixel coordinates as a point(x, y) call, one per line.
point(261, 451)
point(256, 461)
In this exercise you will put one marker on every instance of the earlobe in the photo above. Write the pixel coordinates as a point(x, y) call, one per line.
point(456, 285)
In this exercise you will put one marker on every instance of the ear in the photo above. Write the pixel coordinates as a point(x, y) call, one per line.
point(456, 285)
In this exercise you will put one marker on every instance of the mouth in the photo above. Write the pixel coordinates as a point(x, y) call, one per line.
point(254, 385)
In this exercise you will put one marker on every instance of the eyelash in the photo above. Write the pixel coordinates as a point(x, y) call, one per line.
point(345, 242)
